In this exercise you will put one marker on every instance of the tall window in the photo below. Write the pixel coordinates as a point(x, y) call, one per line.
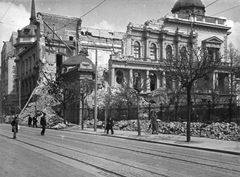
point(168, 52)
point(59, 59)
point(213, 53)
point(137, 81)
point(136, 49)
point(119, 77)
point(153, 51)
point(183, 52)
point(153, 80)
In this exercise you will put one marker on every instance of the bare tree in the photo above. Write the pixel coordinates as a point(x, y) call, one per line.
point(134, 87)
point(187, 68)
point(64, 93)
point(86, 88)
point(233, 57)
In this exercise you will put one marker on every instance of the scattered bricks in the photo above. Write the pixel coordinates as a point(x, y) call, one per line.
point(221, 131)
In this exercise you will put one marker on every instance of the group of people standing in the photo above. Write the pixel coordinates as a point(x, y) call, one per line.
point(32, 121)
point(153, 124)
point(43, 123)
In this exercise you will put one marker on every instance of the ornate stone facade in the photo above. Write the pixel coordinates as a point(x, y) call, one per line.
point(145, 45)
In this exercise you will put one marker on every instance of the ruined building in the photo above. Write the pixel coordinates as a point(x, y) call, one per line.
point(48, 41)
point(8, 97)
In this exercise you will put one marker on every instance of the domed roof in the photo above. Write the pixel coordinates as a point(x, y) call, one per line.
point(77, 60)
point(29, 30)
point(183, 4)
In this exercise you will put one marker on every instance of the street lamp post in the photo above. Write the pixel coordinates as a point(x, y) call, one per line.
point(95, 96)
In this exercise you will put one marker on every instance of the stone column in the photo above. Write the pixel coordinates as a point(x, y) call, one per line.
point(214, 80)
point(147, 82)
point(130, 78)
point(158, 82)
point(147, 49)
point(113, 77)
point(163, 80)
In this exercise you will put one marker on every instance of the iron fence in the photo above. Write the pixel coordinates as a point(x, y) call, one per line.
point(200, 112)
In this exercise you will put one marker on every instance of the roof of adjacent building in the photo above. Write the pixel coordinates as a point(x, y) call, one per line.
point(181, 4)
point(76, 60)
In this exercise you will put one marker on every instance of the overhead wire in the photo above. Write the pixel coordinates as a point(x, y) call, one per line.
point(211, 3)
point(83, 15)
point(226, 10)
point(6, 10)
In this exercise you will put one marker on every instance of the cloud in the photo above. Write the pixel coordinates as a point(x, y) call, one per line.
point(15, 18)
point(106, 26)
point(234, 37)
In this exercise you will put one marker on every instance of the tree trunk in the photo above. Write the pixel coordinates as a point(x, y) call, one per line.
point(138, 122)
point(189, 107)
point(82, 112)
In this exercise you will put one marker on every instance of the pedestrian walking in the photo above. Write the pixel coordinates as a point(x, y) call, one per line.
point(154, 123)
point(14, 124)
point(43, 123)
point(35, 121)
point(109, 125)
point(29, 121)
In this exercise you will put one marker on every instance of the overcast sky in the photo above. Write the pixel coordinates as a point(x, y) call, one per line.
point(112, 14)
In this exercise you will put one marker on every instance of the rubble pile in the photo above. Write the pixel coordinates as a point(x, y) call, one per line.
point(54, 121)
point(222, 131)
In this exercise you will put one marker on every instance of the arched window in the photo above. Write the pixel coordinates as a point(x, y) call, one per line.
point(183, 53)
point(168, 52)
point(119, 77)
point(137, 81)
point(153, 51)
point(136, 49)
point(153, 80)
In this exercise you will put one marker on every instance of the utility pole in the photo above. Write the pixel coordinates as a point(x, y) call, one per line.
point(95, 96)
point(189, 88)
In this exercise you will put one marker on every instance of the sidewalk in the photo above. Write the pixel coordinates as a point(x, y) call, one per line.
point(230, 147)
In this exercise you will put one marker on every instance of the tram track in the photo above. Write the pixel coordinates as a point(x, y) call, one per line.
point(163, 154)
point(90, 159)
point(204, 162)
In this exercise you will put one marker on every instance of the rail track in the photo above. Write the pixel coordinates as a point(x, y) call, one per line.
point(91, 151)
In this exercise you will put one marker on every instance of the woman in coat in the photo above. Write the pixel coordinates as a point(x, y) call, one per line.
point(154, 123)
point(14, 124)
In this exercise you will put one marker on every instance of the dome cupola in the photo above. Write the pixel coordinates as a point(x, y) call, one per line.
point(189, 7)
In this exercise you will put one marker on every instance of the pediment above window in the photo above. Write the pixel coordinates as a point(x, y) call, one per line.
point(214, 42)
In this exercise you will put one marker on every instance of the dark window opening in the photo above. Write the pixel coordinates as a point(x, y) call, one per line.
point(183, 52)
point(153, 79)
point(137, 81)
point(168, 52)
point(119, 77)
point(70, 38)
point(213, 53)
point(59, 60)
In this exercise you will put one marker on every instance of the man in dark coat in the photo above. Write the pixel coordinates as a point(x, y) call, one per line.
point(29, 121)
point(43, 123)
point(14, 124)
point(35, 121)
point(109, 125)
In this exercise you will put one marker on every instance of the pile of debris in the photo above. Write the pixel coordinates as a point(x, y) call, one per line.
point(222, 131)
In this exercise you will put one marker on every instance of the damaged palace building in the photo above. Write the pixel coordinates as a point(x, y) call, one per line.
point(146, 45)
point(50, 41)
